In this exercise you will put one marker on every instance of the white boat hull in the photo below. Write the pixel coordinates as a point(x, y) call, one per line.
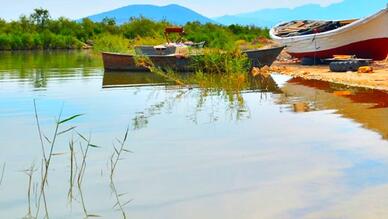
point(365, 38)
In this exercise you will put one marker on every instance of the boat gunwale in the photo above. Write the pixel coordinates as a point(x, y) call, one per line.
point(267, 49)
point(191, 55)
point(157, 56)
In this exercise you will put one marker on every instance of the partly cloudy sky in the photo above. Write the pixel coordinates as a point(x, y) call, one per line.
point(81, 8)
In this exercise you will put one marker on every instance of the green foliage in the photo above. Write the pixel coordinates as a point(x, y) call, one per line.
point(248, 33)
point(215, 61)
point(216, 36)
point(40, 17)
point(223, 37)
point(44, 40)
point(216, 72)
point(111, 43)
point(39, 31)
point(5, 42)
point(143, 27)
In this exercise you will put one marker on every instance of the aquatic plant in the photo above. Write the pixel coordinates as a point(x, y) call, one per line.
point(115, 157)
point(216, 61)
point(29, 172)
point(81, 172)
point(2, 174)
point(77, 173)
point(216, 71)
point(47, 156)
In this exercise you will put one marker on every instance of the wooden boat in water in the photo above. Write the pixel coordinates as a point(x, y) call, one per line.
point(126, 62)
point(365, 38)
point(176, 55)
point(180, 63)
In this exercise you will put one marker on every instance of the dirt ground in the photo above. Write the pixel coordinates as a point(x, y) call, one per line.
point(376, 80)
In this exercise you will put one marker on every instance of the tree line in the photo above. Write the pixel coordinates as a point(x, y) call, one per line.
point(40, 31)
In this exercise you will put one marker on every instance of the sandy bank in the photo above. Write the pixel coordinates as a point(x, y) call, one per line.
point(376, 80)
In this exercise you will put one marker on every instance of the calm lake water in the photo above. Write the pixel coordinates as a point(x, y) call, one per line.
point(289, 148)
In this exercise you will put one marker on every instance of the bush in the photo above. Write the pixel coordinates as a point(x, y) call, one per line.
point(143, 27)
point(16, 42)
point(5, 42)
point(111, 43)
point(37, 41)
point(27, 41)
point(216, 36)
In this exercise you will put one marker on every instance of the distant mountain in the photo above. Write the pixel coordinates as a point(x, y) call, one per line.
point(346, 9)
point(173, 13)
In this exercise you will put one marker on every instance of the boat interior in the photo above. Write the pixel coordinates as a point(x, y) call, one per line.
point(306, 27)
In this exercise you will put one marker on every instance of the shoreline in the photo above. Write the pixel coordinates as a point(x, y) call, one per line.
point(377, 80)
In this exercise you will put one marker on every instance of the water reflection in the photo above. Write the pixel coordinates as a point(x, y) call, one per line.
point(132, 79)
point(40, 66)
point(197, 153)
point(263, 83)
point(236, 108)
point(365, 106)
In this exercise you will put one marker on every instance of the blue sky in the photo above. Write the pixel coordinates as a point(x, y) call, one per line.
point(81, 8)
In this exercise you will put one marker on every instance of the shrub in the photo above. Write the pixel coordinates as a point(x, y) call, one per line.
point(112, 43)
point(5, 42)
point(27, 41)
point(16, 42)
point(37, 41)
point(143, 27)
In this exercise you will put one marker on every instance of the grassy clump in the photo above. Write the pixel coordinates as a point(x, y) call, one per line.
point(217, 71)
point(216, 61)
point(222, 72)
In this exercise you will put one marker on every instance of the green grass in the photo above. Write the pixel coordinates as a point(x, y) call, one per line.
point(217, 61)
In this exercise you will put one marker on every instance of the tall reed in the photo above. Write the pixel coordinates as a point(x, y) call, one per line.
point(29, 172)
point(115, 157)
point(47, 155)
point(2, 173)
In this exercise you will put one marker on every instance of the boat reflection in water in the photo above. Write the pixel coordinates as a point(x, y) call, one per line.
point(234, 102)
point(132, 79)
point(258, 83)
point(367, 107)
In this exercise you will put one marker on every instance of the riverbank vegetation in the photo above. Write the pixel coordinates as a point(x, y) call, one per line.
point(40, 31)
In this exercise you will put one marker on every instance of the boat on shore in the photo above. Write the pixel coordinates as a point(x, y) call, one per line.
point(364, 38)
